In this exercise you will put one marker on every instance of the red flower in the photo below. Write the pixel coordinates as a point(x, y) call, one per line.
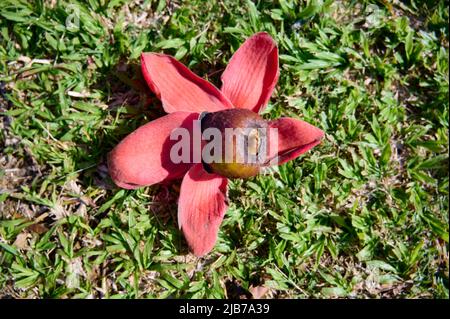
point(143, 157)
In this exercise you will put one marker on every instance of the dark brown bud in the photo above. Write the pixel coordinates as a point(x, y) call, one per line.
point(243, 142)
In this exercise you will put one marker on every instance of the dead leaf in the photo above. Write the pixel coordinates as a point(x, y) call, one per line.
point(73, 187)
point(21, 241)
point(58, 211)
point(37, 228)
point(258, 292)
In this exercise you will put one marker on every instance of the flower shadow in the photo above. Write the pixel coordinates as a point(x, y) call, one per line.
point(131, 104)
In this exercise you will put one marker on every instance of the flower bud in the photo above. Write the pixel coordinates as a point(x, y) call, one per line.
point(241, 145)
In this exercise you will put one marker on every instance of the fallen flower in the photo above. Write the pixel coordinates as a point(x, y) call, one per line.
point(143, 157)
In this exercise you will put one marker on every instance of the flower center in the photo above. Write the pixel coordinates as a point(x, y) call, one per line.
point(237, 139)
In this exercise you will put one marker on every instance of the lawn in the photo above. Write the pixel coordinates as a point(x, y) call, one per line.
point(362, 215)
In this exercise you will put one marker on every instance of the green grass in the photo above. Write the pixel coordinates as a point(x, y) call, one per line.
point(363, 215)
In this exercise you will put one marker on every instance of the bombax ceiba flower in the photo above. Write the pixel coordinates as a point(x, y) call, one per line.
point(146, 156)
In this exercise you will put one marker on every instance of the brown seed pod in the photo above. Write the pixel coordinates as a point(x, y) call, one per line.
point(240, 145)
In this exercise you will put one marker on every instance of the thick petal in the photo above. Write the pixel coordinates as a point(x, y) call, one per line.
point(252, 73)
point(201, 208)
point(291, 138)
point(143, 157)
point(178, 88)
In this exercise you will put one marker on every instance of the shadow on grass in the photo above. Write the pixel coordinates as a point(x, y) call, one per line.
point(131, 104)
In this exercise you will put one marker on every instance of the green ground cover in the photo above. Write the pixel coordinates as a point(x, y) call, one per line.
point(362, 215)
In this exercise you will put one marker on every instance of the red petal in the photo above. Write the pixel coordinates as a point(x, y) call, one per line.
point(295, 137)
point(201, 208)
point(143, 157)
point(178, 88)
point(252, 73)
